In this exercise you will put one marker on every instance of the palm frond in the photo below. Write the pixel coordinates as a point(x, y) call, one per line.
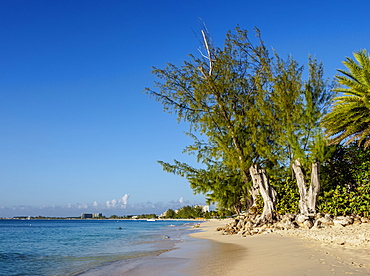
point(349, 119)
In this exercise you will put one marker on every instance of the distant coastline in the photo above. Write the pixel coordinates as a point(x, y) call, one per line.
point(79, 218)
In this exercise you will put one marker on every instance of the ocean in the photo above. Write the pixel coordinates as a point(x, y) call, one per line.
point(82, 247)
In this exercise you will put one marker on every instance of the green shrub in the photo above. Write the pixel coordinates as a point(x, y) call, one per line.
point(340, 201)
point(288, 196)
point(345, 182)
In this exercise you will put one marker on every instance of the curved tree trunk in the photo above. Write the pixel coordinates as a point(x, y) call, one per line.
point(268, 194)
point(302, 187)
point(307, 197)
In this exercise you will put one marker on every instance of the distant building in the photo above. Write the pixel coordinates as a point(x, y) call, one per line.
point(96, 215)
point(163, 215)
point(85, 216)
point(205, 208)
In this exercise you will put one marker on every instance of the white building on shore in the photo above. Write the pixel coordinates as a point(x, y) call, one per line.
point(205, 208)
point(96, 215)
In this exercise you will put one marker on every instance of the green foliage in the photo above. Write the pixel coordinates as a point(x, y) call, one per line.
point(170, 213)
point(212, 214)
point(220, 184)
point(288, 196)
point(297, 107)
point(349, 118)
point(187, 212)
point(251, 108)
point(345, 181)
point(223, 213)
point(258, 207)
point(347, 167)
point(216, 93)
point(147, 216)
point(342, 202)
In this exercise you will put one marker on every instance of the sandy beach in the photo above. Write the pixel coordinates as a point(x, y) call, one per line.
point(330, 251)
point(305, 252)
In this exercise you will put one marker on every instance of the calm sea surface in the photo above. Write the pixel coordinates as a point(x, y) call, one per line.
point(72, 247)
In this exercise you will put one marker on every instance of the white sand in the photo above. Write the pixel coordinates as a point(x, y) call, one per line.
point(285, 253)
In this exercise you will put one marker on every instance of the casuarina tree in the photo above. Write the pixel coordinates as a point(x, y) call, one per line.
point(229, 96)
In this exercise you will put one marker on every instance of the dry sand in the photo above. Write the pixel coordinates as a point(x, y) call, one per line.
point(306, 252)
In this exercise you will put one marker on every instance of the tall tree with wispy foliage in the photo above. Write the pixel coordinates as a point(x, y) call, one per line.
point(307, 146)
point(217, 94)
point(253, 111)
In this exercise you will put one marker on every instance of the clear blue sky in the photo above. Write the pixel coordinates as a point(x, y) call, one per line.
point(77, 134)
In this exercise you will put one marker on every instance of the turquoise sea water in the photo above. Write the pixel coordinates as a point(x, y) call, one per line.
point(73, 247)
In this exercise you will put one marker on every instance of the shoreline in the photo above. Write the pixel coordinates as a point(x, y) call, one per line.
point(204, 251)
point(280, 253)
point(171, 261)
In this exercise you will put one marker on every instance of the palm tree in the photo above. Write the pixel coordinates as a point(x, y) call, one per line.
point(349, 119)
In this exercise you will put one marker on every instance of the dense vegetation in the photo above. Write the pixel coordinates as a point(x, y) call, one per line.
point(345, 185)
point(263, 131)
point(186, 212)
point(189, 212)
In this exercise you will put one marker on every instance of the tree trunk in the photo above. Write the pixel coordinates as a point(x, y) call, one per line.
point(238, 208)
point(307, 197)
point(302, 187)
point(314, 190)
point(254, 191)
point(267, 192)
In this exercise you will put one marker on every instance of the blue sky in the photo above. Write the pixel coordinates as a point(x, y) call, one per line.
point(77, 133)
